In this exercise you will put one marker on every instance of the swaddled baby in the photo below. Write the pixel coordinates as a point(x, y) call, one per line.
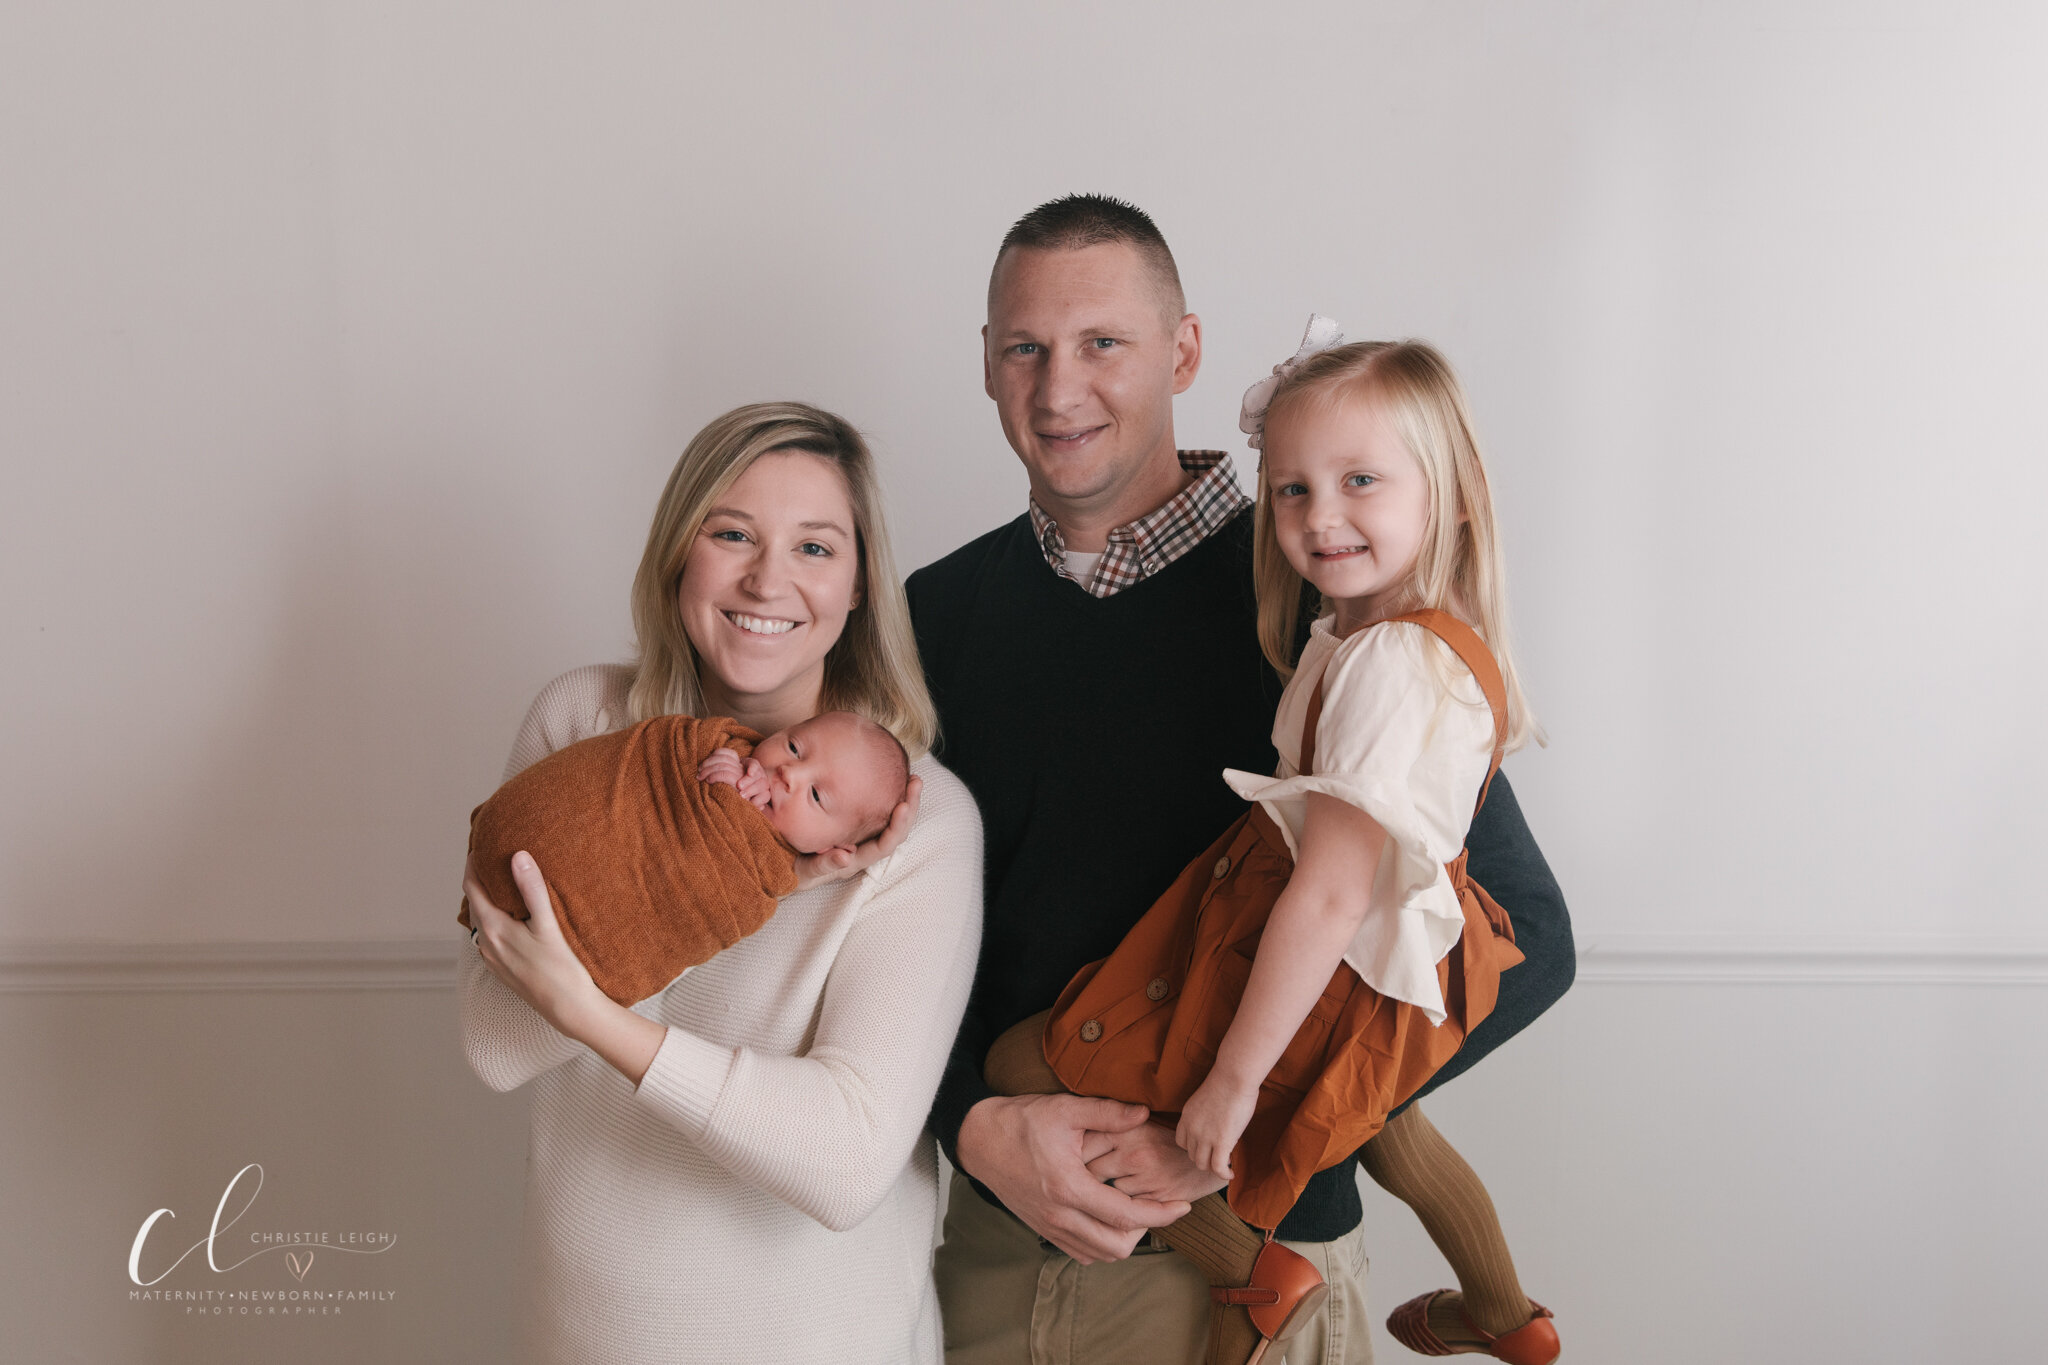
point(670, 840)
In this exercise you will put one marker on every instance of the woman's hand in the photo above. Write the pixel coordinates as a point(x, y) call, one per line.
point(1212, 1121)
point(533, 958)
point(530, 955)
point(837, 864)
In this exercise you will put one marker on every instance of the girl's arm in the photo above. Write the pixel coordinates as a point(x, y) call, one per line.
point(1311, 926)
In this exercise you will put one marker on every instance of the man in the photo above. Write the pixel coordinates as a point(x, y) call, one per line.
point(1096, 667)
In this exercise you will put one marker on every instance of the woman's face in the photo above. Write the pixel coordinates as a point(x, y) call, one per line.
point(767, 585)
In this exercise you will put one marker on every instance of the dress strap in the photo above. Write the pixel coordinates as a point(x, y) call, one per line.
point(1471, 651)
point(1308, 727)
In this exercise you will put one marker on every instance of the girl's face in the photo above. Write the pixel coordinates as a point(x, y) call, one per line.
point(767, 585)
point(1349, 503)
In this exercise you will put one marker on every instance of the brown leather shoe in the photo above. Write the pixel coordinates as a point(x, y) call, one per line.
point(1283, 1293)
point(1533, 1343)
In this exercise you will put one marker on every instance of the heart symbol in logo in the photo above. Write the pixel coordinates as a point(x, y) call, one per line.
point(291, 1258)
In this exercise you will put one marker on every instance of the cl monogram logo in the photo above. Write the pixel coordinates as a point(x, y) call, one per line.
point(214, 1241)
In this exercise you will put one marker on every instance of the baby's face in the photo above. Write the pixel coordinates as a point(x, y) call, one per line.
point(823, 787)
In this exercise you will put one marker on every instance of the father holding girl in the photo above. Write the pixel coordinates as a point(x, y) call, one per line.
point(1096, 665)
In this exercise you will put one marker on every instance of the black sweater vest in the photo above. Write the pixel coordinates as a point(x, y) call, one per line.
point(1094, 733)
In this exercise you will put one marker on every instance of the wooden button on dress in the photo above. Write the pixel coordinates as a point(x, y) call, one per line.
point(1091, 1030)
point(1222, 866)
point(1156, 989)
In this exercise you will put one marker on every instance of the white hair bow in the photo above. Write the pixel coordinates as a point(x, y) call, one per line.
point(1323, 333)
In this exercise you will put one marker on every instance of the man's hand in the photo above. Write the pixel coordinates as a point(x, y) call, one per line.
point(1032, 1150)
point(1146, 1163)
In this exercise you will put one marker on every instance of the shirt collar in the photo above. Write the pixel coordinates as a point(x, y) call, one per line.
point(1141, 548)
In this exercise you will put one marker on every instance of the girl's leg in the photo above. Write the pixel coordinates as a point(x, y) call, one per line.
point(1411, 1161)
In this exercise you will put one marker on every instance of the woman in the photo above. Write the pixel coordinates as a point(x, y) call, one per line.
point(735, 1168)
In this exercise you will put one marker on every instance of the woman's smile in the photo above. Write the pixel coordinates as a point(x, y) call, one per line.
point(761, 625)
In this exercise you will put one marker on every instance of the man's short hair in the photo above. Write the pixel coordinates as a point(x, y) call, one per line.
point(1083, 220)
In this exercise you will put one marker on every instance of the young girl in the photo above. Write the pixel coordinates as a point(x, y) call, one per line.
point(1315, 967)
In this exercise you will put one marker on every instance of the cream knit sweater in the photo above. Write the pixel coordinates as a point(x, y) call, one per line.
point(768, 1192)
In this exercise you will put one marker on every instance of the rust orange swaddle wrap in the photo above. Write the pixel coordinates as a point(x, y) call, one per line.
point(649, 869)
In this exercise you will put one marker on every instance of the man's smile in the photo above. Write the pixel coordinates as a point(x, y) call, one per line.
point(1070, 440)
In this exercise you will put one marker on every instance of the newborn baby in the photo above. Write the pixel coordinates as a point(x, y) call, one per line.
point(670, 840)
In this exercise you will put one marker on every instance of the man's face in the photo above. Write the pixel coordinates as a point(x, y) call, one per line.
point(1083, 361)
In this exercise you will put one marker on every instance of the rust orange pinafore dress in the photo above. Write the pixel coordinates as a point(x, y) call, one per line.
point(1143, 1024)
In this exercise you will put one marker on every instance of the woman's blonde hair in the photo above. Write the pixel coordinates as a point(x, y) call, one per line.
point(872, 668)
point(1459, 568)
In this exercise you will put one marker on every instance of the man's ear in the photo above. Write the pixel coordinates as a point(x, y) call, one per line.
point(988, 377)
point(1187, 352)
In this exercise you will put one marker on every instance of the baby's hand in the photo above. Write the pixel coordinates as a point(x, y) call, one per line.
point(723, 766)
point(753, 783)
point(1212, 1121)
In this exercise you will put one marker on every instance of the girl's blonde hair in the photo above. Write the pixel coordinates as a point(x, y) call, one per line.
point(1459, 568)
point(873, 667)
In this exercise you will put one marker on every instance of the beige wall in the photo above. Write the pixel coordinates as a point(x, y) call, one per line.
point(343, 349)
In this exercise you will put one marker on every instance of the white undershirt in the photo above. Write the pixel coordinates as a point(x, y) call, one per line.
point(1081, 567)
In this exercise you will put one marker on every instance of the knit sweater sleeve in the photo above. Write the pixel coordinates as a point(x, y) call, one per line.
point(506, 1040)
point(828, 1131)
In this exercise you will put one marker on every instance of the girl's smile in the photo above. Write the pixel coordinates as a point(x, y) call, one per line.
point(1350, 503)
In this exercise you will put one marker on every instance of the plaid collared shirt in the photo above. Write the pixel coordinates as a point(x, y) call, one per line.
point(1142, 548)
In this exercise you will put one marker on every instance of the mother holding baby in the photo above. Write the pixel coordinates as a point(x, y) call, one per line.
point(730, 1169)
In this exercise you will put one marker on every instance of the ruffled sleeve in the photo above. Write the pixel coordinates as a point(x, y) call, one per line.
point(1406, 737)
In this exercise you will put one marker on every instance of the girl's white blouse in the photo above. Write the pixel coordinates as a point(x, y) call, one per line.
point(1406, 736)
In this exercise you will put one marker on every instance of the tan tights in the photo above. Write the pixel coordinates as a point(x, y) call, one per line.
point(1410, 1160)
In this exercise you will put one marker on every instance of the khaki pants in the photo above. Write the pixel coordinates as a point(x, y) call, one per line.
point(1007, 1299)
